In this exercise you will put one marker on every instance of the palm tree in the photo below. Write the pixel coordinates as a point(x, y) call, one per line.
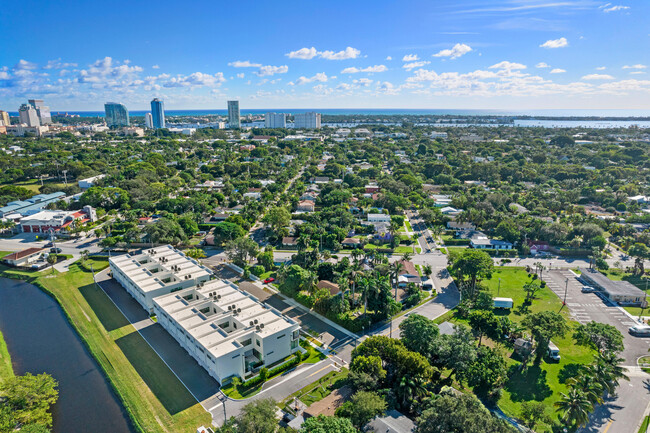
point(410, 390)
point(414, 238)
point(427, 270)
point(588, 384)
point(356, 254)
point(608, 372)
point(406, 257)
point(395, 269)
point(51, 259)
point(575, 406)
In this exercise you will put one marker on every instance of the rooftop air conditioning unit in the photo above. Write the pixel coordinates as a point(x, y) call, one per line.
point(239, 310)
point(261, 325)
point(256, 321)
point(257, 328)
point(251, 323)
point(229, 307)
point(218, 296)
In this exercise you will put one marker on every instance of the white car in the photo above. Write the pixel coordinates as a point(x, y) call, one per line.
point(588, 289)
point(640, 330)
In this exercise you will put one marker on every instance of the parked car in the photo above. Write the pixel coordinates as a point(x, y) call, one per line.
point(640, 330)
point(588, 289)
point(269, 280)
point(49, 244)
point(55, 250)
point(553, 352)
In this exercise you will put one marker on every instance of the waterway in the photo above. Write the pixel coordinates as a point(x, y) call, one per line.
point(41, 340)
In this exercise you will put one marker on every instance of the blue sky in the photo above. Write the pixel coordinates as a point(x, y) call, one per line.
point(504, 54)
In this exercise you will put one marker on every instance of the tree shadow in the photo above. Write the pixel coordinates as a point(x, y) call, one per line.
point(107, 313)
point(527, 384)
point(171, 393)
point(569, 371)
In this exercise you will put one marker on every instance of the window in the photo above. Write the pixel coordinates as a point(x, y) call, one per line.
point(282, 336)
point(270, 352)
point(258, 343)
point(246, 342)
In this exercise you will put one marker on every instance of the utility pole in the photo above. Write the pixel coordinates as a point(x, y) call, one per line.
point(65, 177)
point(566, 288)
point(499, 289)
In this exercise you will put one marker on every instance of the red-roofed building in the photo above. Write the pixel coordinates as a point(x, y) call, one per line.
point(23, 257)
point(46, 220)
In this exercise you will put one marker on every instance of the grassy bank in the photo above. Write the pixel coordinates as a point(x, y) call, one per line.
point(6, 370)
point(154, 398)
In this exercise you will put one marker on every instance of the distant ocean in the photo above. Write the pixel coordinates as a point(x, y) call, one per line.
point(389, 111)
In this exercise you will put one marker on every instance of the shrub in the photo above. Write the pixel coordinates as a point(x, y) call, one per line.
point(257, 270)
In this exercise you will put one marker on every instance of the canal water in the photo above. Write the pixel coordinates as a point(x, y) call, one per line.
point(40, 340)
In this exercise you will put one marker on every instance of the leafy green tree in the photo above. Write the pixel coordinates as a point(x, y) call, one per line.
point(459, 414)
point(277, 218)
point(545, 325)
point(294, 279)
point(508, 231)
point(483, 322)
point(225, 231)
point(362, 407)
point(419, 334)
point(531, 288)
point(534, 413)
point(600, 337)
point(188, 224)
point(165, 231)
point(51, 259)
point(471, 265)
point(26, 400)
point(241, 250)
point(258, 417)
point(327, 424)
point(195, 253)
point(266, 259)
point(488, 372)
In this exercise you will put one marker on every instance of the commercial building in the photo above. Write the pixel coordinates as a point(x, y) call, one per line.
point(56, 220)
point(89, 182)
point(42, 111)
point(275, 120)
point(116, 114)
point(148, 120)
point(158, 113)
point(621, 292)
point(310, 120)
point(156, 272)
point(28, 115)
point(226, 330)
point(4, 118)
point(233, 115)
point(31, 205)
point(378, 218)
point(22, 258)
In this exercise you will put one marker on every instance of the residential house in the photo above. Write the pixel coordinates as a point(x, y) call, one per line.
point(378, 217)
point(305, 206)
point(23, 258)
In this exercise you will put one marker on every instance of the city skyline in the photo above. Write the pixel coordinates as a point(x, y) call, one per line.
point(510, 54)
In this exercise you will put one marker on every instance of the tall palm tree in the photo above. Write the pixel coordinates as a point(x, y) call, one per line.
point(410, 390)
point(356, 254)
point(395, 269)
point(608, 371)
point(407, 257)
point(587, 383)
point(414, 238)
point(575, 406)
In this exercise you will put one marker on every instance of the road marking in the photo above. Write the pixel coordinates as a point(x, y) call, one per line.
point(609, 424)
point(316, 372)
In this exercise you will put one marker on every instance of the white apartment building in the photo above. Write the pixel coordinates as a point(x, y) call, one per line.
point(275, 120)
point(310, 120)
point(156, 272)
point(226, 330)
point(378, 218)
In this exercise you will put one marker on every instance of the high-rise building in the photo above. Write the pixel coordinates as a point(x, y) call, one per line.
point(148, 121)
point(158, 113)
point(28, 115)
point(233, 114)
point(42, 111)
point(308, 120)
point(4, 118)
point(275, 120)
point(116, 114)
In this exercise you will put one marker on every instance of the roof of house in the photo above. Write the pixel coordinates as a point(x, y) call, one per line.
point(446, 328)
point(351, 241)
point(392, 422)
point(289, 240)
point(332, 287)
point(409, 268)
point(21, 254)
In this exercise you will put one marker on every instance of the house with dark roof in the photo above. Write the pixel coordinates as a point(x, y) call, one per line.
point(22, 258)
point(332, 287)
point(392, 422)
point(620, 292)
point(289, 241)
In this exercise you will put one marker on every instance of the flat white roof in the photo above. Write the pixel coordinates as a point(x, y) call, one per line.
point(199, 311)
point(157, 267)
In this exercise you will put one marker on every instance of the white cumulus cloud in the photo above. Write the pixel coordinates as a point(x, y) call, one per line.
point(244, 64)
point(555, 43)
point(508, 65)
point(265, 71)
point(310, 53)
point(637, 66)
point(410, 58)
point(412, 65)
point(558, 71)
point(607, 8)
point(455, 52)
point(542, 65)
point(369, 69)
point(321, 77)
point(594, 77)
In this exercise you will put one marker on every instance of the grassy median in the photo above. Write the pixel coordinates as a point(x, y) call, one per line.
point(152, 395)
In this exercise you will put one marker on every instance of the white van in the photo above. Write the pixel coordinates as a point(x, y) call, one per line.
point(640, 330)
point(506, 303)
point(553, 352)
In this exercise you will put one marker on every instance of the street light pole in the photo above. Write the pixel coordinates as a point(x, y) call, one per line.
point(499, 288)
point(566, 288)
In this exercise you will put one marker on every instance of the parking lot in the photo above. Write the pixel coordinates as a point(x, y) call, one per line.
point(587, 307)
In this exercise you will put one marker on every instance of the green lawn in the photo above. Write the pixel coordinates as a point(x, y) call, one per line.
point(320, 389)
point(6, 370)
point(545, 382)
point(644, 425)
point(408, 226)
point(35, 184)
point(152, 395)
point(314, 355)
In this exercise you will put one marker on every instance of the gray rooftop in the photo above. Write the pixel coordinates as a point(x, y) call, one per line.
point(392, 422)
point(611, 287)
